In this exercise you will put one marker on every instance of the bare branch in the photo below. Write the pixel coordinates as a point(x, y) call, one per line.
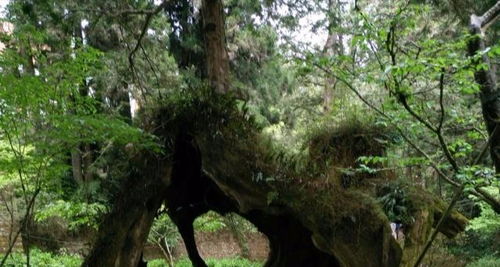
point(23, 225)
point(145, 26)
point(151, 66)
point(406, 138)
point(115, 13)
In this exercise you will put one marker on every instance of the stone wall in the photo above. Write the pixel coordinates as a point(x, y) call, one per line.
point(222, 244)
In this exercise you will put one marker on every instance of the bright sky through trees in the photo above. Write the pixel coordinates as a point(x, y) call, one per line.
point(3, 3)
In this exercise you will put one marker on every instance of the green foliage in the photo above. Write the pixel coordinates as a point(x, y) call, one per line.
point(396, 204)
point(480, 243)
point(50, 107)
point(59, 93)
point(164, 230)
point(474, 176)
point(487, 261)
point(473, 245)
point(40, 258)
point(209, 222)
point(77, 214)
point(488, 222)
point(239, 225)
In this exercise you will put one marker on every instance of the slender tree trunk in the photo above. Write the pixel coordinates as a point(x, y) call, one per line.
point(333, 46)
point(76, 166)
point(329, 80)
point(165, 248)
point(87, 162)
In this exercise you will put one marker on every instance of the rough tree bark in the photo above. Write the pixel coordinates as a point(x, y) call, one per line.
point(216, 57)
point(76, 166)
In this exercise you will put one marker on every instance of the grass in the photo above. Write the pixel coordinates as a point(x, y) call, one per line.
point(46, 259)
point(231, 262)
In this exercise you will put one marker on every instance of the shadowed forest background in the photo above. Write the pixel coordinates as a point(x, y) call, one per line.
point(249, 133)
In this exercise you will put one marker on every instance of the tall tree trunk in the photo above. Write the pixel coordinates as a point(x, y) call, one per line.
point(329, 80)
point(87, 162)
point(76, 166)
point(217, 62)
point(486, 78)
point(333, 46)
point(79, 161)
point(490, 98)
point(122, 235)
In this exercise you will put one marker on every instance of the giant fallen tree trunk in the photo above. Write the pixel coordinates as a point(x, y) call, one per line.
point(226, 165)
point(221, 162)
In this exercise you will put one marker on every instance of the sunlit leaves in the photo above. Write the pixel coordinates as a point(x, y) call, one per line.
point(460, 148)
point(47, 110)
point(78, 214)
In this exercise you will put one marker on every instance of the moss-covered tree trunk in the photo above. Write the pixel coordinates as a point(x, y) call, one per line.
point(325, 228)
point(416, 237)
point(124, 231)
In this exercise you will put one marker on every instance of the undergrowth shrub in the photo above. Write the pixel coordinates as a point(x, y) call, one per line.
point(221, 263)
point(487, 261)
point(40, 258)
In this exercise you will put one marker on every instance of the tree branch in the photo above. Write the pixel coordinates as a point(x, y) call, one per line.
point(488, 198)
point(380, 112)
point(115, 13)
point(441, 105)
point(488, 18)
point(145, 29)
point(145, 26)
